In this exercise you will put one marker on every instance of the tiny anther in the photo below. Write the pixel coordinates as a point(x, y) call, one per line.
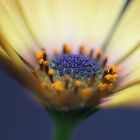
point(67, 49)
point(102, 86)
point(44, 55)
point(104, 61)
point(110, 86)
point(108, 77)
point(106, 71)
point(111, 78)
point(78, 83)
point(86, 92)
point(111, 68)
point(91, 53)
point(82, 50)
point(58, 86)
point(51, 74)
point(99, 54)
point(39, 54)
point(46, 67)
point(41, 64)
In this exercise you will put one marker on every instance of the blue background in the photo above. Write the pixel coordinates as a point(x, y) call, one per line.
point(23, 119)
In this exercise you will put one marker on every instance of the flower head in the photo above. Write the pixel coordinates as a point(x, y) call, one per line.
point(70, 81)
point(75, 80)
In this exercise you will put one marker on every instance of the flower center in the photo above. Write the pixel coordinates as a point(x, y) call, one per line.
point(76, 79)
point(76, 66)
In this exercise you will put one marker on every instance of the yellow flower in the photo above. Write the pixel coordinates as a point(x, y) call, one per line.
point(74, 54)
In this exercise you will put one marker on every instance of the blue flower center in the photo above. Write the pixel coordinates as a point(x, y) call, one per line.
point(76, 66)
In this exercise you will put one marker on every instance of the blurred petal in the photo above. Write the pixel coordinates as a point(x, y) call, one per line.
point(53, 22)
point(14, 30)
point(130, 66)
point(10, 60)
point(23, 75)
point(128, 34)
point(129, 97)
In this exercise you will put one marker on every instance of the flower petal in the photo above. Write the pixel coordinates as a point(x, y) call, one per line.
point(129, 97)
point(55, 22)
point(14, 30)
point(128, 34)
point(23, 75)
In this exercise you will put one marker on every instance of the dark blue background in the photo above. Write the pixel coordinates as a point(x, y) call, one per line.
point(22, 119)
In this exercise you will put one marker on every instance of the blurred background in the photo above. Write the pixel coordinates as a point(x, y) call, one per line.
point(23, 119)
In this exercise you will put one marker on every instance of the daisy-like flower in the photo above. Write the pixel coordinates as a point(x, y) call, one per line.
point(77, 56)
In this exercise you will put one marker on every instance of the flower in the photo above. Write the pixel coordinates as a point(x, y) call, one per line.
point(38, 42)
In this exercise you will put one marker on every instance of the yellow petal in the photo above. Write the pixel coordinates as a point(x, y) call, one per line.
point(23, 75)
point(53, 22)
point(127, 34)
point(129, 97)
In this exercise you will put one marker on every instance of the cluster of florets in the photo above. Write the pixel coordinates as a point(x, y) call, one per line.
point(75, 80)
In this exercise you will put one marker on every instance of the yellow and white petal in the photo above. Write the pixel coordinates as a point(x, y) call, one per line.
point(53, 22)
point(127, 35)
point(129, 97)
point(23, 75)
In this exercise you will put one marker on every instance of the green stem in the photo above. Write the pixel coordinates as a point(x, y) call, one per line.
point(63, 129)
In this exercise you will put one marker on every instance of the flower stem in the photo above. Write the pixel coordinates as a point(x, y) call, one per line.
point(63, 129)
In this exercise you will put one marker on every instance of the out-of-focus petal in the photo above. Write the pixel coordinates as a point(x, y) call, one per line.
point(53, 22)
point(129, 97)
point(22, 74)
point(13, 28)
point(127, 35)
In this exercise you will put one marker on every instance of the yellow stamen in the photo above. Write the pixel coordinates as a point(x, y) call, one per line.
point(44, 54)
point(109, 86)
point(51, 72)
point(67, 49)
point(39, 55)
point(102, 86)
point(41, 64)
point(105, 86)
point(111, 78)
point(104, 61)
point(58, 86)
point(99, 53)
point(83, 50)
point(78, 83)
point(41, 61)
point(106, 70)
point(112, 68)
point(46, 67)
point(86, 92)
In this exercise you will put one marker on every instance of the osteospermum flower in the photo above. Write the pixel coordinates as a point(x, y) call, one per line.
point(78, 56)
